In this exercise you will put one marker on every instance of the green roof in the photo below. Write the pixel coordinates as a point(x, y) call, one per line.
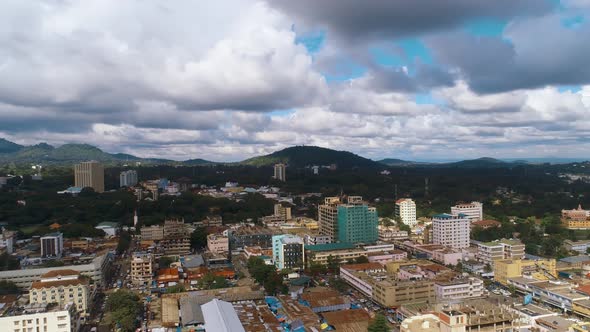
point(330, 246)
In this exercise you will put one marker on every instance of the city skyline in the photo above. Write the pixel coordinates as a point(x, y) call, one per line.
point(229, 80)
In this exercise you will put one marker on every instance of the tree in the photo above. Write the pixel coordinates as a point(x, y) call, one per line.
point(333, 264)
point(404, 227)
point(361, 259)
point(8, 262)
point(165, 261)
point(124, 307)
point(211, 281)
point(8, 287)
point(379, 324)
point(124, 242)
point(199, 238)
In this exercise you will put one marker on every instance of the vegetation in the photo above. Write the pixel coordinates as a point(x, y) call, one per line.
point(267, 276)
point(124, 307)
point(175, 289)
point(124, 242)
point(199, 238)
point(165, 261)
point(8, 287)
point(379, 324)
point(210, 281)
point(8, 262)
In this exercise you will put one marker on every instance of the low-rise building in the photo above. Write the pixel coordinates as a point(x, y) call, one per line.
point(43, 318)
point(250, 236)
point(152, 233)
point(579, 246)
point(458, 288)
point(576, 218)
point(362, 276)
point(62, 287)
point(393, 293)
point(391, 233)
point(488, 252)
point(342, 252)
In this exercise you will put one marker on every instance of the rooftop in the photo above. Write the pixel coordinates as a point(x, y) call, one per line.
point(330, 247)
point(353, 320)
point(363, 266)
point(60, 273)
point(576, 259)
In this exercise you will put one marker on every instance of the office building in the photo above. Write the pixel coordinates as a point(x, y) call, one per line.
point(89, 174)
point(62, 287)
point(280, 172)
point(459, 288)
point(152, 233)
point(41, 318)
point(52, 245)
point(142, 269)
point(405, 210)
point(357, 222)
point(451, 230)
point(394, 293)
point(288, 252)
point(328, 217)
point(488, 252)
point(250, 237)
point(473, 211)
point(128, 178)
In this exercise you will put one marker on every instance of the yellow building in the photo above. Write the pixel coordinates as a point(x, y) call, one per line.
point(541, 269)
point(576, 224)
point(580, 327)
point(62, 287)
point(507, 268)
point(581, 308)
point(393, 267)
point(394, 293)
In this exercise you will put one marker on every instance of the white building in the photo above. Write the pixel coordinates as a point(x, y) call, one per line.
point(128, 178)
point(473, 210)
point(142, 268)
point(488, 252)
point(52, 245)
point(217, 244)
point(288, 251)
point(42, 318)
point(451, 230)
point(405, 209)
point(388, 234)
point(109, 228)
point(462, 288)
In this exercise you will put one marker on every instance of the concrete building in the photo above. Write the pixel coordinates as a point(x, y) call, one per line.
point(389, 234)
point(89, 174)
point(421, 323)
point(288, 252)
point(24, 278)
point(405, 209)
point(459, 288)
point(280, 172)
point(109, 228)
point(52, 245)
point(357, 222)
point(579, 246)
point(340, 251)
point(62, 287)
point(576, 218)
point(488, 252)
point(451, 230)
point(217, 244)
point(473, 211)
point(394, 293)
point(7, 239)
point(128, 178)
point(42, 318)
point(152, 233)
point(142, 269)
point(248, 236)
point(283, 211)
point(313, 239)
point(361, 276)
point(328, 217)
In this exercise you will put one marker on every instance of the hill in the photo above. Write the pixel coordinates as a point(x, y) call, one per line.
point(8, 146)
point(301, 156)
point(198, 162)
point(399, 162)
point(484, 162)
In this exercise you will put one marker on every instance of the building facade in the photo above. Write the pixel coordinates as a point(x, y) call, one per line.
point(89, 174)
point(328, 217)
point(288, 252)
point(461, 288)
point(217, 244)
point(488, 252)
point(42, 318)
point(405, 209)
point(394, 293)
point(128, 178)
point(473, 211)
point(282, 211)
point(152, 233)
point(280, 172)
point(142, 269)
point(52, 245)
point(357, 222)
point(451, 230)
point(62, 287)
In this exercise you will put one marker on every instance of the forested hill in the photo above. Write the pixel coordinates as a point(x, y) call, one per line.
point(301, 156)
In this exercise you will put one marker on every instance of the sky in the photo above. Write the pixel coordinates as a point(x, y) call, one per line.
point(230, 79)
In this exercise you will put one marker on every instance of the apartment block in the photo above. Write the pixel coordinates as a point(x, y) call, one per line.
point(488, 252)
point(142, 268)
point(451, 230)
point(405, 209)
point(217, 244)
point(389, 234)
point(280, 172)
point(283, 211)
point(473, 211)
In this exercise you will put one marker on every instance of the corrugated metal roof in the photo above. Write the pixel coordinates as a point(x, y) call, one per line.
point(220, 316)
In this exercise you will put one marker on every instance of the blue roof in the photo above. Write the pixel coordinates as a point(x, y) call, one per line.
point(576, 259)
point(330, 246)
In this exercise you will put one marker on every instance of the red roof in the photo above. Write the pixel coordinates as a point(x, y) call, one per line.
point(584, 289)
point(62, 273)
point(486, 223)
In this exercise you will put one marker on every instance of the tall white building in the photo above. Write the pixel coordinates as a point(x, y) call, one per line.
point(451, 230)
point(405, 209)
point(280, 172)
point(128, 178)
point(473, 210)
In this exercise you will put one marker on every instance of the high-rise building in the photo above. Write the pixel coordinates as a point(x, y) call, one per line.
point(62, 287)
point(128, 178)
point(473, 211)
point(280, 172)
point(405, 209)
point(451, 230)
point(357, 222)
point(328, 217)
point(52, 245)
point(89, 174)
point(288, 251)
